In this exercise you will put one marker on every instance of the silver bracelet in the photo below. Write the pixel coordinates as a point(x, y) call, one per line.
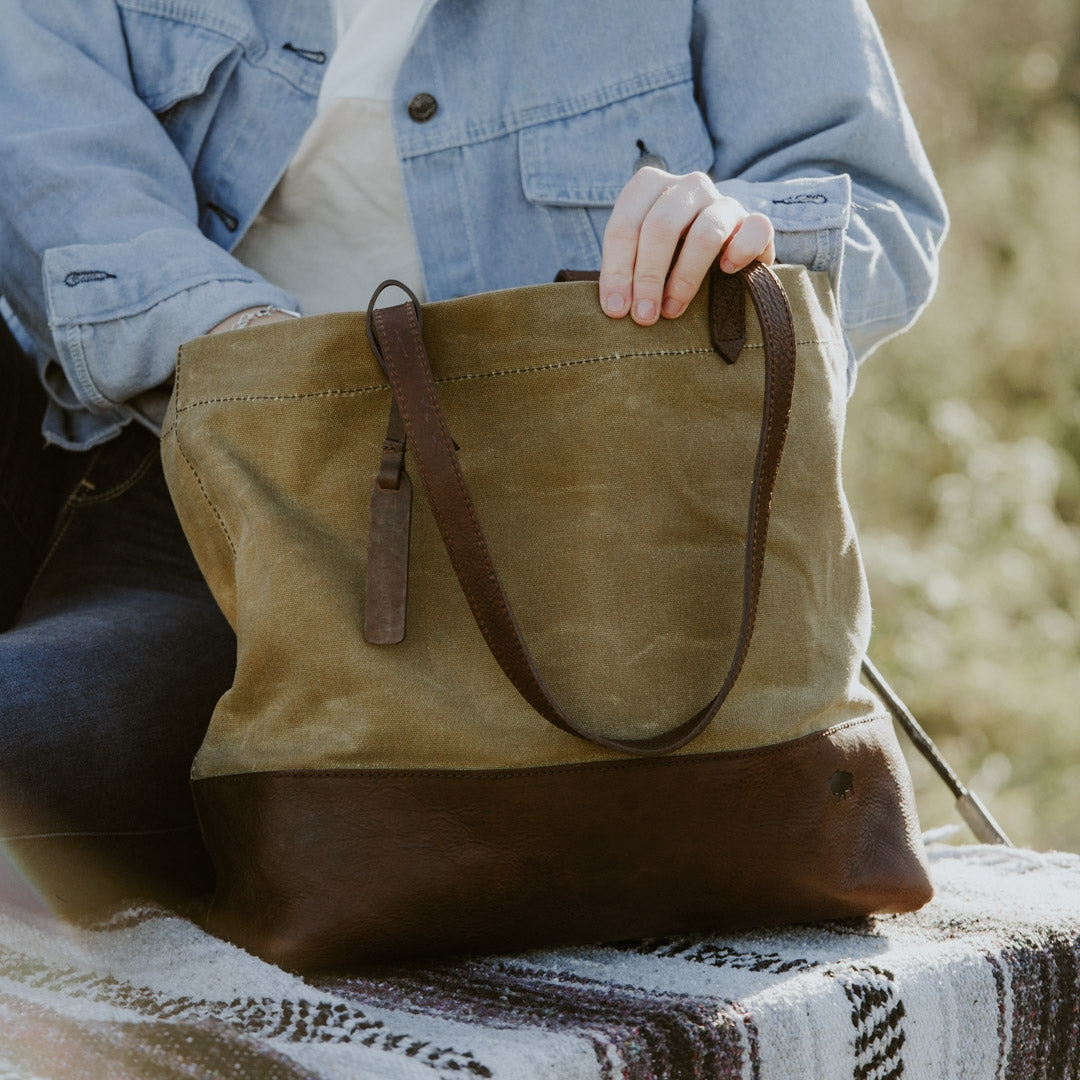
point(261, 313)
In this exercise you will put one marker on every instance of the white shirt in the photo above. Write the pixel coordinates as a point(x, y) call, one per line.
point(373, 37)
point(337, 225)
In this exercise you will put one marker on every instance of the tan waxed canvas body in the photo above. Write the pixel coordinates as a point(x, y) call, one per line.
point(610, 466)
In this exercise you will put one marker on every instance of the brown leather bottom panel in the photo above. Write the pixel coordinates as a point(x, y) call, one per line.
point(321, 869)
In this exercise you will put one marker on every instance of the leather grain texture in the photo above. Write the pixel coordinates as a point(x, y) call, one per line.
point(392, 864)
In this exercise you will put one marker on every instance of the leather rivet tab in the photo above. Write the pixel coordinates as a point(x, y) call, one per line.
point(422, 107)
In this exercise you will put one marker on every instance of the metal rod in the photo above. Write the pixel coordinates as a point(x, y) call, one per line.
point(970, 806)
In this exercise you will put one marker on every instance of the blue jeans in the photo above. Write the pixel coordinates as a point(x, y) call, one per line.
point(112, 656)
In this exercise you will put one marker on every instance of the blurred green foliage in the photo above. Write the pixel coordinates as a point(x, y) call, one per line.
point(963, 445)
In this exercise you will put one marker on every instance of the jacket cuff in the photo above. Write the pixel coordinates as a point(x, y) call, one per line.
point(117, 315)
point(809, 214)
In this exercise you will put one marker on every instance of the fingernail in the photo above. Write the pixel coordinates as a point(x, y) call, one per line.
point(672, 307)
point(727, 266)
point(614, 304)
point(646, 311)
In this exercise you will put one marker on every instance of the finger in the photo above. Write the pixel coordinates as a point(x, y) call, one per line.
point(753, 239)
point(723, 230)
point(669, 219)
point(710, 232)
point(621, 238)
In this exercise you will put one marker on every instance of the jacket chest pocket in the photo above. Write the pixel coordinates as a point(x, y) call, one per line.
point(575, 167)
point(174, 60)
point(180, 70)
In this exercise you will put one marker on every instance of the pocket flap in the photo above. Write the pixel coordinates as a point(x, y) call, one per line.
point(172, 60)
point(586, 159)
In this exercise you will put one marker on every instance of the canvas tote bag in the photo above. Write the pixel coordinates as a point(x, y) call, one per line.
point(596, 678)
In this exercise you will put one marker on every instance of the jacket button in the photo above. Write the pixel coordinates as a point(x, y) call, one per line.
point(422, 108)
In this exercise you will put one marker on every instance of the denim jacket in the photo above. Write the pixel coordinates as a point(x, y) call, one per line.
point(139, 138)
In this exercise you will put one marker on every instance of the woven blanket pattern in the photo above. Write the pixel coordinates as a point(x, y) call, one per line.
point(983, 983)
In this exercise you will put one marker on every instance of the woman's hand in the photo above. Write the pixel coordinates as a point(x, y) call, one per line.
point(652, 214)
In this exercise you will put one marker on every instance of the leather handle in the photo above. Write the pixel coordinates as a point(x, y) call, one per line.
point(395, 334)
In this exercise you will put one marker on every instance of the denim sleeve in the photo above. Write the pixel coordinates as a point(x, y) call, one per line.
point(103, 262)
point(810, 128)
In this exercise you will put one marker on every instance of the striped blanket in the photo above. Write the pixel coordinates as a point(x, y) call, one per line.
point(983, 983)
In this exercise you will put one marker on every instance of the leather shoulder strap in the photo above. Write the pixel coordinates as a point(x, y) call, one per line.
point(396, 336)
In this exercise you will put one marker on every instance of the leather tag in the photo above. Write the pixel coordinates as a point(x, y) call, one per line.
point(388, 563)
